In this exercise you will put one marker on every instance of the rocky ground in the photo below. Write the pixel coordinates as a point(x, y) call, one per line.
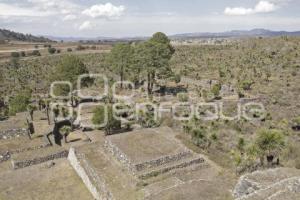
point(272, 184)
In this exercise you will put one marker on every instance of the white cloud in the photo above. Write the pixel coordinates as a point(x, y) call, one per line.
point(69, 17)
point(265, 7)
point(86, 25)
point(57, 6)
point(238, 11)
point(260, 7)
point(107, 10)
point(14, 10)
point(37, 8)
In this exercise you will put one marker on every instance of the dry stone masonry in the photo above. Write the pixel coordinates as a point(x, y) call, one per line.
point(95, 184)
point(12, 133)
point(17, 164)
point(156, 166)
point(279, 183)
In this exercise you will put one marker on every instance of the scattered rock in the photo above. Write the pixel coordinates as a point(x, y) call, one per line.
point(280, 183)
point(50, 164)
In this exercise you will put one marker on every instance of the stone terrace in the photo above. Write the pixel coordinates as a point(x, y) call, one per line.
point(150, 152)
point(181, 174)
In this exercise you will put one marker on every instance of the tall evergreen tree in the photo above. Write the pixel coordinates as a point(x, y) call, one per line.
point(153, 56)
point(120, 59)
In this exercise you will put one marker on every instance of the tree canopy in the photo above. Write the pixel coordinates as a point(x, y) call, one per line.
point(121, 59)
point(153, 56)
point(99, 118)
point(19, 102)
point(68, 69)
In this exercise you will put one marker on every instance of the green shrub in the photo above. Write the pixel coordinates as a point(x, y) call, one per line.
point(222, 72)
point(270, 142)
point(23, 54)
point(296, 121)
point(214, 137)
point(68, 69)
point(19, 102)
point(100, 115)
point(297, 163)
point(15, 54)
point(80, 48)
point(177, 78)
point(216, 89)
point(146, 117)
point(183, 97)
point(51, 50)
point(241, 144)
point(199, 136)
point(246, 85)
point(36, 53)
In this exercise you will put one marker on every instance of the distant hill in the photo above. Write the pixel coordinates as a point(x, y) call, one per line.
point(76, 39)
point(96, 39)
point(228, 34)
point(11, 35)
point(237, 33)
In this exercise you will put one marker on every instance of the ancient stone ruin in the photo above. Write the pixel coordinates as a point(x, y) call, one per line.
point(143, 154)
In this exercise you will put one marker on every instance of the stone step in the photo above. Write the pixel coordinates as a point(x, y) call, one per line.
point(162, 161)
point(167, 167)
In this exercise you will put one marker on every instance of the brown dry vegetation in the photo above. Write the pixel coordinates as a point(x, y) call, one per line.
point(264, 69)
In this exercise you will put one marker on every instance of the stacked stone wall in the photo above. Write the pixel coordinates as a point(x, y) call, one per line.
point(12, 133)
point(26, 163)
point(172, 167)
point(95, 184)
point(118, 154)
point(163, 160)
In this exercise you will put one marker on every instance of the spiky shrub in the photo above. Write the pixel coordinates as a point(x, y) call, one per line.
point(65, 131)
point(270, 142)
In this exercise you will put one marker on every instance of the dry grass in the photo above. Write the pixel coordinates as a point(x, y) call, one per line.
point(40, 182)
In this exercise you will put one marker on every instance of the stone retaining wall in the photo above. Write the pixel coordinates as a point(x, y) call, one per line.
point(162, 160)
point(95, 184)
point(38, 160)
point(5, 156)
point(74, 161)
point(12, 133)
point(118, 154)
point(167, 169)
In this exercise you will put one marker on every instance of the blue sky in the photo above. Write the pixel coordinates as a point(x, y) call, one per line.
point(119, 18)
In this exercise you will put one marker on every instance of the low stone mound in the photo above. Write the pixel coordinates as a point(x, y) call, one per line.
point(272, 184)
point(150, 152)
